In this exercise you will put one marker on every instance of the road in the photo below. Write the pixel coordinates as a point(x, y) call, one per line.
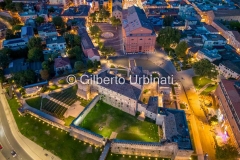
point(8, 141)
point(197, 114)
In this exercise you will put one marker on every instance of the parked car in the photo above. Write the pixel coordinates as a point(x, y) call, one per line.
point(13, 153)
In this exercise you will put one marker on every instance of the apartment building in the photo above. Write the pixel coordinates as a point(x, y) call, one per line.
point(47, 30)
point(228, 98)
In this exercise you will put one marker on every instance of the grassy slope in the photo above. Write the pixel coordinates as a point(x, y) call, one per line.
point(59, 143)
point(34, 102)
point(200, 83)
point(114, 120)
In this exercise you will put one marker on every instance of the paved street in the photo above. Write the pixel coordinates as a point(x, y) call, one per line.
point(8, 141)
point(12, 139)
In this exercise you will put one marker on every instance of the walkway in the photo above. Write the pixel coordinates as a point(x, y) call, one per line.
point(105, 151)
point(203, 88)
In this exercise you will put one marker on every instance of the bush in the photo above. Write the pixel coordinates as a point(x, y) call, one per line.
point(62, 81)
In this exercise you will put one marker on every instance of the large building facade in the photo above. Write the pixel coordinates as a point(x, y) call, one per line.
point(228, 98)
point(138, 33)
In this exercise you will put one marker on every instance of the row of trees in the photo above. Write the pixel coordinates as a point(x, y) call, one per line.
point(100, 16)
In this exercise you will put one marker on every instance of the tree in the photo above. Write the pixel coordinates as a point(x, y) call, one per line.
point(181, 49)
point(75, 52)
point(72, 40)
point(58, 21)
point(115, 21)
point(107, 51)
point(167, 21)
point(95, 31)
point(35, 42)
point(39, 20)
point(45, 65)
point(4, 60)
point(205, 68)
point(35, 54)
point(78, 65)
point(2, 78)
point(168, 36)
point(10, 34)
point(23, 78)
point(213, 119)
point(226, 152)
point(89, 64)
point(95, 64)
point(19, 7)
point(16, 27)
point(44, 74)
point(51, 10)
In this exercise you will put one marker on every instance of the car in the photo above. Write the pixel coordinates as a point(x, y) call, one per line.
point(1, 147)
point(13, 153)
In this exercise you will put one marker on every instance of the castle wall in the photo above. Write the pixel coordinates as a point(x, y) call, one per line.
point(87, 136)
point(168, 150)
point(86, 110)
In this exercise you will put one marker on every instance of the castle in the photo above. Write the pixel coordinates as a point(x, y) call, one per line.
point(176, 142)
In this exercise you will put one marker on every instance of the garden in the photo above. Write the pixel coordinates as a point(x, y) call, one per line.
point(104, 119)
point(52, 139)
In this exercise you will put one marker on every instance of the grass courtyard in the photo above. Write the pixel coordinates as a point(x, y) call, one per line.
point(105, 119)
point(200, 82)
point(52, 139)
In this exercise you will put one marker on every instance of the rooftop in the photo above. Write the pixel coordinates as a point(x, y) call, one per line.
point(117, 7)
point(47, 27)
point(176, 127)
point(81, 10)
point(16, 40)
point(152, 104)
point(58, 39)
point(232, 66)
point(85, 39)
point(227, 13)
point(27, 31)
point(213, 37)
point(123, 89)
point(135, 19)
point(212, 54)
point(61, 62)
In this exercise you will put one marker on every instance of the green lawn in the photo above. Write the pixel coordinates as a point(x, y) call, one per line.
point(128, 127)
point(53, 87)
point(182, 106)
point(58, 142)
point(200, 82)
point(68, 120)
point(209, 89)
point(112, 156)
point(62, 81)
point(84, 102)
point(34, 102)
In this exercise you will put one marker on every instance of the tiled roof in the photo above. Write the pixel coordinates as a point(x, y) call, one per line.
point(47, 27)
point(61, 62)
point(233, 94)
point(92, 52)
